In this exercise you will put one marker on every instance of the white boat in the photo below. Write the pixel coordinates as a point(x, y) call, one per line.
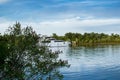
point(52, 42)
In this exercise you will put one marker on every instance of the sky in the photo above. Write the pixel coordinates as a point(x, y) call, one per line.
point(62, 16)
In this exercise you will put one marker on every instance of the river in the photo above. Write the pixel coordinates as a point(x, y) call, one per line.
point(91, 63)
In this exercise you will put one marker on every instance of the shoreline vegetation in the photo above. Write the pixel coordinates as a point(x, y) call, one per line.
point(89, 39)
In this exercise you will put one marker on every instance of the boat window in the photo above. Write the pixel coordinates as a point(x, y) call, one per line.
point(45, 41)
point(58, 41)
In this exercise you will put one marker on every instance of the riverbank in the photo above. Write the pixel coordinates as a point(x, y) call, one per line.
point(93, 44)
point(78, 39)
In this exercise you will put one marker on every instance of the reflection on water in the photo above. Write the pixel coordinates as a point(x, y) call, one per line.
point(92, 63)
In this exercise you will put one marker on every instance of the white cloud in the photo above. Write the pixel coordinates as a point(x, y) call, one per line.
point(76, 24)
point(3, 1)
point(81, 3)
point(4, 24)
point(79, 25)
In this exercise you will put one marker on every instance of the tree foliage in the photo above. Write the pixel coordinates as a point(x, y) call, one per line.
point(91, 38)
point(21, 57)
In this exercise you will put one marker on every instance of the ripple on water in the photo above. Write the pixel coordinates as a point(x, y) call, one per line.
point(92, 63)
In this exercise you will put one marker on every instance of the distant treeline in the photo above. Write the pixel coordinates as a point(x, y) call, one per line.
point(92, 38)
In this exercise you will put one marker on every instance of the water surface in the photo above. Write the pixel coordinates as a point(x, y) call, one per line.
point(92, 63)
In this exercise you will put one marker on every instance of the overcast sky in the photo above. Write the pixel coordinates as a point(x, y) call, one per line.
point(61, 16)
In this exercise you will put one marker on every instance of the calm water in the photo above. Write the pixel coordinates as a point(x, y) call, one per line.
point(92, 63)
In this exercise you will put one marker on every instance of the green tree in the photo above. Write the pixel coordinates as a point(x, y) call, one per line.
point(54, 35)
point(23, 58)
